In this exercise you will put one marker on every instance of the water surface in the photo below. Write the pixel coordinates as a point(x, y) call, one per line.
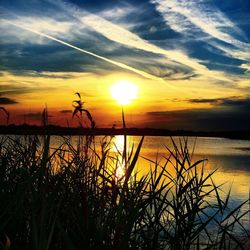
point(230, 157)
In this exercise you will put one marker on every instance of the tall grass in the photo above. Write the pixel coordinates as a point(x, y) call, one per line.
point(72, 197)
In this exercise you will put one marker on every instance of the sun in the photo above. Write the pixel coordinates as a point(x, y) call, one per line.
point(124, 92)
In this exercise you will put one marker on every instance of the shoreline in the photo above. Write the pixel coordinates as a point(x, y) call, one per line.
point(57, 130)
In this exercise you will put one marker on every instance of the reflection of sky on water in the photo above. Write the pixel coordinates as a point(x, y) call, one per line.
point(231, 158)
point(203, 145)
point(228, 156)
point(232, 164)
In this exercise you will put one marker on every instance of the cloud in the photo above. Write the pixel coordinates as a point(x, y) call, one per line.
point(40, 24)
point(201, 119)
point(233, 102)
point(228, 113)
point(110, 61)
point(14, 88)
point(191, 17)
point(46, 74)
point(210, 101)
point(237, 103)
point(237, 53)
point(246, 67)
point(7, 101)
point(107, 39)
point(117, 33)
point(217, 101)
point(116, 13)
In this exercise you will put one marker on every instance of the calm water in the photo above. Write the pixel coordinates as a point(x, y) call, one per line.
point(230, 157)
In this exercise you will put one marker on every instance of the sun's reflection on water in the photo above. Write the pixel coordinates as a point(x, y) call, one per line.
point(228, 156)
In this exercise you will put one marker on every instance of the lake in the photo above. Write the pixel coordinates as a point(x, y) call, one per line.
point(230, 157)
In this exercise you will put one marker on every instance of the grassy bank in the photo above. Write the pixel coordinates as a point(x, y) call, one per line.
point(76, 197)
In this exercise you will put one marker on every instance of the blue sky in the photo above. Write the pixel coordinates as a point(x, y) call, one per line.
point(195, 46)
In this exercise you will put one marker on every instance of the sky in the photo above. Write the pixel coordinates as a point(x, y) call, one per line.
point(190, 61)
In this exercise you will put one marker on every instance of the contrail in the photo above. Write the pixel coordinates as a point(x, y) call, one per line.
point(121, 65)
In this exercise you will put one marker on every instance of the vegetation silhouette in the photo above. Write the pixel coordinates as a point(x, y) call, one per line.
point(7, 114)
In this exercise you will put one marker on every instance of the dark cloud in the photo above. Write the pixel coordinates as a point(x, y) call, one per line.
point(209, 100)
point(201, 119)
point(14, 89)
point(233, 102)
point(17, 88)
point(239, 103)
point(65, 111)
point(179, 75)
point(7, 101)
point(36, 59)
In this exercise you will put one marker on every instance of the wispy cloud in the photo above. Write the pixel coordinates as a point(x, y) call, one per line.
point(118, 64)
point(40, 24)
point(169, 64)
point(234, 52)
point(119, 34)
point(188, 17)
point(246, 67)
point(48, 25)
point(233, 101)
point(14, 84)
point(123, 36)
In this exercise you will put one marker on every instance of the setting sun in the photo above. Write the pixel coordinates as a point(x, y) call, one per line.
point(124, 92)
